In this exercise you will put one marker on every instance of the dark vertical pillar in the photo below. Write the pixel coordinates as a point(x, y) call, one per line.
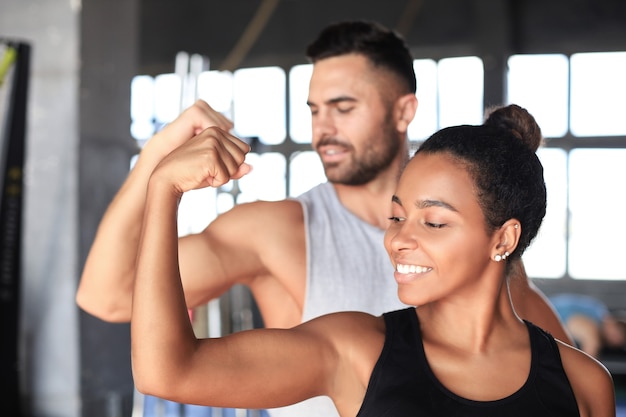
point(13, 144)
point(109, 35)
point(493, 36)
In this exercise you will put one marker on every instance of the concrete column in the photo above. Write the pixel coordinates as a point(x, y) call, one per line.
point(109, 37)
point(49, 341)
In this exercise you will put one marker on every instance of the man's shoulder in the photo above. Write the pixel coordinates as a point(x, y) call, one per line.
point(283, 211)
point(323, 190)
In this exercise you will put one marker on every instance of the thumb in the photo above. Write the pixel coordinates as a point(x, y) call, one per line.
point(243, 169)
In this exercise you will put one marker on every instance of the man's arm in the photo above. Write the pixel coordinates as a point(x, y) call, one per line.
point(106, 284)
point(532, 305)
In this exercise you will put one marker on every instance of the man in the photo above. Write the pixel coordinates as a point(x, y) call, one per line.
point(301, 258)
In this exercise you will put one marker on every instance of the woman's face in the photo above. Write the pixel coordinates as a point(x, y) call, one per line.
point(437, 239)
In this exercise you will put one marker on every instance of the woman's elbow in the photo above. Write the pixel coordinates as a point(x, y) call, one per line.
point(150, 379)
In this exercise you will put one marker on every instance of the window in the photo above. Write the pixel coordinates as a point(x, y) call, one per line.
point(596, 204)
point(547, 255)
point(299, 112)
point(577, 101)
point(460, 89)
point(540, 83)
point(426, 121)
point(259, 104)
point(598, 89)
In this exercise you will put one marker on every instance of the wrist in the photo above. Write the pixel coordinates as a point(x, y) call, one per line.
point(160, 183)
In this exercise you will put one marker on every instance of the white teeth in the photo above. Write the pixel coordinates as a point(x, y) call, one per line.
point(412, 269)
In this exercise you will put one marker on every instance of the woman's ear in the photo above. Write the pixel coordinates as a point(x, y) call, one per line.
point(506, 239)
point(406, 106)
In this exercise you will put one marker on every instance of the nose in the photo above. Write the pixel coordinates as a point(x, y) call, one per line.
point(323, 125)
point(400, 237)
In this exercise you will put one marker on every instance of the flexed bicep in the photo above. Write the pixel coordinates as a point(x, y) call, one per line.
point(262, 368)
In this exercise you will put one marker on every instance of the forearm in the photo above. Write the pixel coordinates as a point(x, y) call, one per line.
point(161, 333)
point(107, 280)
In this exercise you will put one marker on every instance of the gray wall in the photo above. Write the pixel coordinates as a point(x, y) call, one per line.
point(108, 50)
point(49, 342)
point(82, 58)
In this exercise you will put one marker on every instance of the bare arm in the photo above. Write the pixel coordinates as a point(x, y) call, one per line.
point(106, 284)
point(254, 369)
point(591, 382)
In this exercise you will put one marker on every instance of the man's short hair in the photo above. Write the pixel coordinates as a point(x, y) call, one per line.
point(383, 47)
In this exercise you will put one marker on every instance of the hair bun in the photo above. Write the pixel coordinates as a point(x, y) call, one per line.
point(518, 121)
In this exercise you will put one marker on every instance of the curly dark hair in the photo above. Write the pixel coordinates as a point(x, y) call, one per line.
point(500, 156)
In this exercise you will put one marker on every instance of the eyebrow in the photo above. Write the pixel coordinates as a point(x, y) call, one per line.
point(340, 99)
point(422, 204)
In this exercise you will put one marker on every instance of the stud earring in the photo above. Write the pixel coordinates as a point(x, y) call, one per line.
point(497, 257)
point(516, 226)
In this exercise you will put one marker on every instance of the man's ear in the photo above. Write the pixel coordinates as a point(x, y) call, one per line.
point(405, 109)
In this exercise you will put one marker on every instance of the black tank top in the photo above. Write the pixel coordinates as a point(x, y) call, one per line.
point(403, 385)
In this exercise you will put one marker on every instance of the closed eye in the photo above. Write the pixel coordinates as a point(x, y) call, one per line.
point(435, 225)
point(345, 109)
point(395, 219)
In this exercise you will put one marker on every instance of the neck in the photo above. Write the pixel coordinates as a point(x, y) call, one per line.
point(471, 320)
point(371, 202)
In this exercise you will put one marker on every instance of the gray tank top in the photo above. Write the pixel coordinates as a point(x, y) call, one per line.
point(347, 265)
point(348, 269)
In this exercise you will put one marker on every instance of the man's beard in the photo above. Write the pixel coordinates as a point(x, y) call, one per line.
point(365, 167)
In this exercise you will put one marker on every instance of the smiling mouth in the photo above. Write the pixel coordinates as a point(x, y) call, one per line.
point(331, 149)
point(412, 269)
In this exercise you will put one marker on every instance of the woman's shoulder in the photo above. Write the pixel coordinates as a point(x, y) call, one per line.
point(350, 323)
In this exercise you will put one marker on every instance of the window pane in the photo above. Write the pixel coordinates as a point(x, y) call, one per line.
point(460, 91)
point(545, 257)
point(259, 104)
point(267, 179)
point(142, 97)
point(305, 172)
point(598, 89)
point(539, 83)
point(425, 122)
point(196, 210)
point(167, 94)
point(142, 108)
point(224, 202)
point(216, 88)
point(299, 112)
point(597, 200)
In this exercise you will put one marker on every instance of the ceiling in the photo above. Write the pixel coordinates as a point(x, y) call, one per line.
point(240, 33)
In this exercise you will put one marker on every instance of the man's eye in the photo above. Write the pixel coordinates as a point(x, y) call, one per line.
point(395, 219)
point(344, 109)
point(435, 225)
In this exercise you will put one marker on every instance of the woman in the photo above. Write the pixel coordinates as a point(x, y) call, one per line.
point(467, 205)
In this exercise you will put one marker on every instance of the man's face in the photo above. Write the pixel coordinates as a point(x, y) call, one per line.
point(352, 119)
